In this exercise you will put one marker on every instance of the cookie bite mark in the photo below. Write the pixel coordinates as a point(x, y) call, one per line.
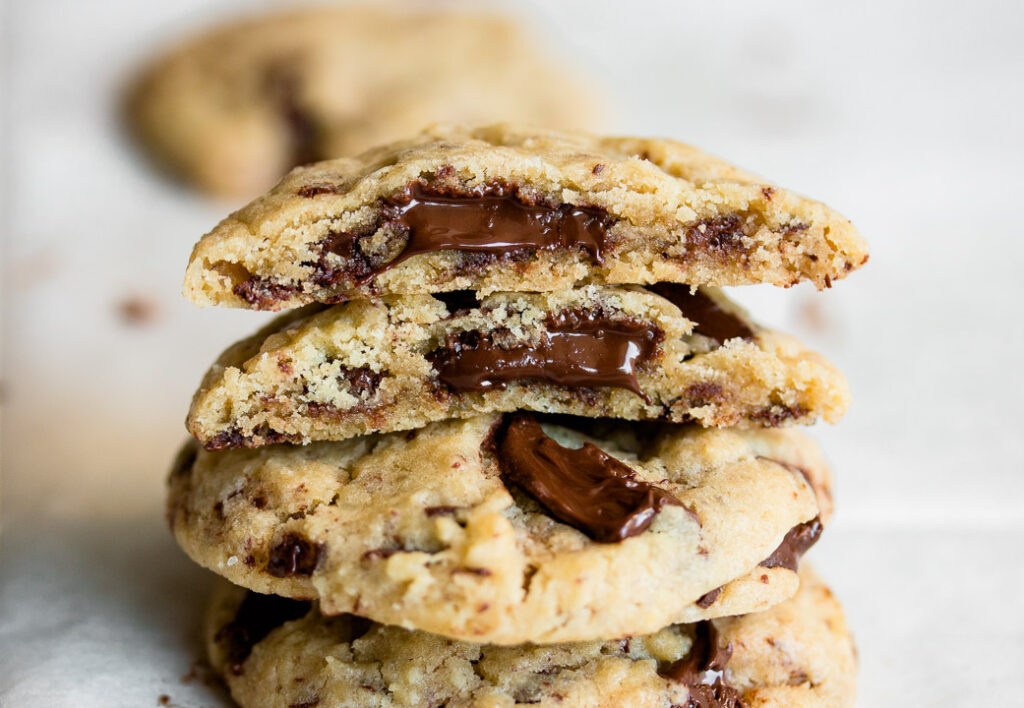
point(257, 616)
point(293, 555)
point(796, 542)
point(585, 488)
point(579, 349)
point(710, 319)
point(702, 670)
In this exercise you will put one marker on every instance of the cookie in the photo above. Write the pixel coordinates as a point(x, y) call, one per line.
point(277, 653)
point(233, 109)
point(503, 529)
point(399, 362)
point(505, 208)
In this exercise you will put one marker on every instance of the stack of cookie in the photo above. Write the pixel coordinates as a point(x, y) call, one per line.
point(510, 444)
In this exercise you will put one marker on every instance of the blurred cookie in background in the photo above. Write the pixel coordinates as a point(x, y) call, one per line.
point(232, 110)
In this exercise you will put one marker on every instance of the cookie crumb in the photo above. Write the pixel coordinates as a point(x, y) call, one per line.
point(138, 311)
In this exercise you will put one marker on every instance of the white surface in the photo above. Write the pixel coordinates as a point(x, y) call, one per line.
point(906, 116)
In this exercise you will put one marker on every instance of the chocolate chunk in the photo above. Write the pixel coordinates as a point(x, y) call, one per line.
point(795, 543)
point(494, 221)
point(585, 488)
point(580, 349)
point(721, 233)
point(293, 555)
point(497, 222)
point(432, 511)
point(362, 380)
point(702, 671)
point(263, 293)
point(777, 414)
point(257, 616)
point(709, 317)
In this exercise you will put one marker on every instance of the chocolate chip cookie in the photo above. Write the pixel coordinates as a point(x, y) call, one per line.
point(399, 362)
point(506, 208)
point(277, 653)
point(233, 109)
point(508, 528)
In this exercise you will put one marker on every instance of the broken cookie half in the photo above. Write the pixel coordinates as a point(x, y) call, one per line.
point(506, 208)
point(399, 362)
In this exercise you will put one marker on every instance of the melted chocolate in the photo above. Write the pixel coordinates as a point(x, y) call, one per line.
point(709, 317)
point(293, 555)
point(495, 223)
point(489, 224)
point(705, 656)
point(257, 616)
point(585, 487)
point(580, 349)
point(795, 543)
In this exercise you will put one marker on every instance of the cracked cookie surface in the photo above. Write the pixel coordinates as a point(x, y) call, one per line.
point(234, 109)
point(798, 654)
point(447, 530)
point(506, 208)
point(400, 362)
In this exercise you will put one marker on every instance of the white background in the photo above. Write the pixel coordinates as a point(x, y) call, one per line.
point(906, 116)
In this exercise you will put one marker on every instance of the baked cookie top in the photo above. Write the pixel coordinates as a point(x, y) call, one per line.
point(398, 362)
point(508, 208)
point(276, 653)
point(503, 529)
point(235, 108)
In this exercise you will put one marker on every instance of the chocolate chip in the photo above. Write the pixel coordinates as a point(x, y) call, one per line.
point(585, 487)
point(719, 233)
point(263, 293)
point(314, 190)
point(362, 380)
point(432, 511)
point(777, 414)
point(692, 670)
point(256, 617)
point(708, 599)
point(795, 543)
point(703, 393)
point(709, 318)
point(293, 555)
point(235, 438)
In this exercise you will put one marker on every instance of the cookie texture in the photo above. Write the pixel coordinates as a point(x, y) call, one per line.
point(233, 109)
point(799, 654)
point(450, 530)
point(507, 208)
point(400, 362)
